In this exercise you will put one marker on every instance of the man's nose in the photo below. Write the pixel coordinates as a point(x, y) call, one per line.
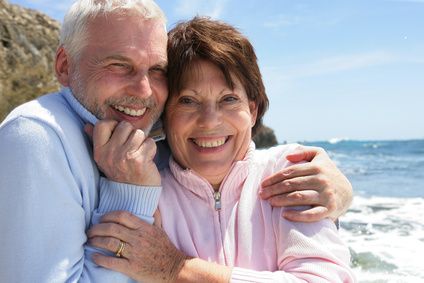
point(140, 85)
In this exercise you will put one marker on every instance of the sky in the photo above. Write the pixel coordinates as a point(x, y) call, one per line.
point(351, 69)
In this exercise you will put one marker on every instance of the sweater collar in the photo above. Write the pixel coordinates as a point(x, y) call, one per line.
point(231, 185)
point(82, 112)
point(86, 115)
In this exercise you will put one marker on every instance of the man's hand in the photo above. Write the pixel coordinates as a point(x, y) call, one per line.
point(148, 254)
point(124, 154)
point(318, 183)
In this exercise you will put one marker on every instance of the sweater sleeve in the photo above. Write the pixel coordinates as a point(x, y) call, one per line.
point(306, 252)
point(139, 200)
point(41, 210)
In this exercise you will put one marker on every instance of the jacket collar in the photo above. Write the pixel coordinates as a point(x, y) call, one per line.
point(231, 185)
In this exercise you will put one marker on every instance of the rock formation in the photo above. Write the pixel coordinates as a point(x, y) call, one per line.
point(265, 137)
point(28, 41)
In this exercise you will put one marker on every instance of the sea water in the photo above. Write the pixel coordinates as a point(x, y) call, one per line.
point(384, 227)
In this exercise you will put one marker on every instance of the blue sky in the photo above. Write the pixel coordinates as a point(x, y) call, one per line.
point(333, 69)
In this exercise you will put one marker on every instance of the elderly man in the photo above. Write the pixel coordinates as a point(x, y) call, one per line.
point(112, 64)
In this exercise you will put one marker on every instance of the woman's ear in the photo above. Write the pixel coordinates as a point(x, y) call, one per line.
point(62, 66)
point(253, 112)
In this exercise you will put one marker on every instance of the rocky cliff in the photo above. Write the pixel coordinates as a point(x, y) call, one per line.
point(28, 41)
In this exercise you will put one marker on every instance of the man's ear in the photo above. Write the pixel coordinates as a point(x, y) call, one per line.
point(62, 66)
point(253, 112)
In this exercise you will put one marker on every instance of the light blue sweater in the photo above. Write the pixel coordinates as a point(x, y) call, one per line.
point(49, 192)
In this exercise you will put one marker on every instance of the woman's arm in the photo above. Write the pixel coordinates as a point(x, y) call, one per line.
point(304, 253)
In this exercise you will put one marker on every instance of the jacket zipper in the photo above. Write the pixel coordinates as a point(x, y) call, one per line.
point(217, 198)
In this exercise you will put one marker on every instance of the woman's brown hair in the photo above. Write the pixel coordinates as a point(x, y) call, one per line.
point(222, 45)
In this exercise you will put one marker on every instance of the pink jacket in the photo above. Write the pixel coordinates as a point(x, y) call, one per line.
point(236, 228)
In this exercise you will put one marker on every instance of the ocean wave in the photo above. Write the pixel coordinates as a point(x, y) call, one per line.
point(383, 234)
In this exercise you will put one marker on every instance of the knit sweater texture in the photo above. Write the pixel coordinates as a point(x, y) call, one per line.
point(49, 193)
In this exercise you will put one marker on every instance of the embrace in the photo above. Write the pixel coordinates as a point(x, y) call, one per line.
point(105, 203)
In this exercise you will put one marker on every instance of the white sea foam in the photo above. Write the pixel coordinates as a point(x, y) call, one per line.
point(337, 140)
point(386, 237)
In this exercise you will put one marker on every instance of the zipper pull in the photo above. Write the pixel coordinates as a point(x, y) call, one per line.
point(217, 197)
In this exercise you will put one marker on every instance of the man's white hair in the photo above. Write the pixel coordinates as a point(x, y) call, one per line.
point(73, 33)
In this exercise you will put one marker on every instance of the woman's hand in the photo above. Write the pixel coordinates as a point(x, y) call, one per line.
point(124, 154)
point(147, 255)
point(318, 183)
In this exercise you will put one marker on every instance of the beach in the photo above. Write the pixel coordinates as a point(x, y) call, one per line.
point(384, 227)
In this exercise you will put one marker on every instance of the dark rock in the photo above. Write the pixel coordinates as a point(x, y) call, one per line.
point(265, 137)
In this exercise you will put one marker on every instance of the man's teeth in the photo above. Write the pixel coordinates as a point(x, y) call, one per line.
point(129, 111)
point(210, 144)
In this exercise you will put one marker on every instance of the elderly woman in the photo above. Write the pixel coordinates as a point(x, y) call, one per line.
point(209, 205)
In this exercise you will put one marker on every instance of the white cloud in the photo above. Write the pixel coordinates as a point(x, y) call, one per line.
point(334, 64)
point(189, 8)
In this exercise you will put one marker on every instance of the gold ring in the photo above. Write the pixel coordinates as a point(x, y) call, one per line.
point(120, 248)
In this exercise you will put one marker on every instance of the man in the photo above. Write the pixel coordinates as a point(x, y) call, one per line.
point(112, 64)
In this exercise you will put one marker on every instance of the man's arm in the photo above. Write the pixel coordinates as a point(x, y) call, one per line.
point(318, 183)
point(41, 210)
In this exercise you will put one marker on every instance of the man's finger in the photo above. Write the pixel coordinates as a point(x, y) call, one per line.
point(304, 153)
point(297, 198)
point(293, 171)
point(122, 132)
point(89, 129)
point(148, 149)
point(102, 132)
point(135, 141)
point(310, 215)
point(287, 186)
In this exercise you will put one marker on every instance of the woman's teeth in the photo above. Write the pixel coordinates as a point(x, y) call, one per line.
point(209, 143)
point(129, 111)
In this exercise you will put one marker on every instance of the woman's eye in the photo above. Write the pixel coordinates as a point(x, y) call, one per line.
point(186, 100)
point(230, 99)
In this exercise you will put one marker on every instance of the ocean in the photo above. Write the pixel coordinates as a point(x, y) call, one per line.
point(384, 227)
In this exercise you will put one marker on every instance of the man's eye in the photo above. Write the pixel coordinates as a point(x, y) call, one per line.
point(119, 66)
point(158, 73)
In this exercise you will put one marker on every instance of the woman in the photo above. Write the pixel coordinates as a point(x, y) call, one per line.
point(209, 204)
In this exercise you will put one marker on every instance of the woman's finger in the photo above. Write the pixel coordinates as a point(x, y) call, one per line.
point(113, 263)
point(112, 245)
point(124, 218)
point(110, 229)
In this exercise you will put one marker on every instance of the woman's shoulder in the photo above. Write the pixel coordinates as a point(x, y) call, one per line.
point(275, 155)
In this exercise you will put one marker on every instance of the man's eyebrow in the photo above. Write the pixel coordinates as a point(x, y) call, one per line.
point(162, 64)
point(115, 57)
